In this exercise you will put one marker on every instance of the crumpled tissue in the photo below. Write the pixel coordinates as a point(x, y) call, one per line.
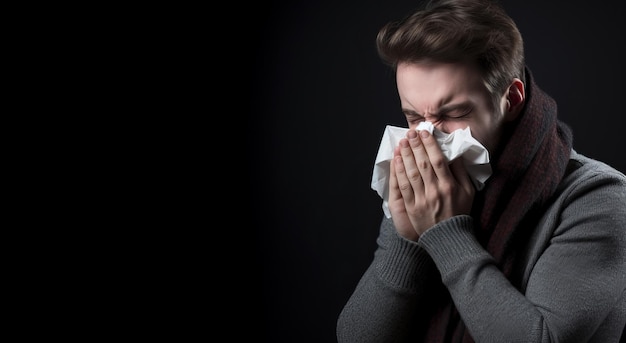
point(459, 143)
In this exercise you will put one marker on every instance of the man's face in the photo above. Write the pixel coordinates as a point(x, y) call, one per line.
point(451, 96)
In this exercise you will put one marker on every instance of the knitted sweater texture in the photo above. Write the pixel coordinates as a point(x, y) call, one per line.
point(572, 272)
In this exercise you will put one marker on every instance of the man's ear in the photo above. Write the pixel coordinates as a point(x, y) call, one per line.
point(514, 100)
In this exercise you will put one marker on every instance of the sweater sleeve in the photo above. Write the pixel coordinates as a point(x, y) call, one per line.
point(575, 282)
point(385, 305)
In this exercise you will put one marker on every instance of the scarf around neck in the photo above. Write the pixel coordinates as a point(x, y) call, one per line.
point(526, 174)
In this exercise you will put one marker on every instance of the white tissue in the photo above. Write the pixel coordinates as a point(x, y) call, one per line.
point(459, 143)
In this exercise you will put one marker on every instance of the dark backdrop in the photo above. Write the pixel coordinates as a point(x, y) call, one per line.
point(320, 101)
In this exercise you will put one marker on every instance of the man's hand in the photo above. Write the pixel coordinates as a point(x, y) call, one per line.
point(423, 188)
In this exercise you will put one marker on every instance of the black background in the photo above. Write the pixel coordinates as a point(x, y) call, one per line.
point(320, 99)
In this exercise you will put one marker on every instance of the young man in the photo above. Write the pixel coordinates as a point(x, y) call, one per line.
point(539, 253)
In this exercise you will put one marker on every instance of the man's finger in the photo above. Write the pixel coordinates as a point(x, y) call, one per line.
point(438, 161)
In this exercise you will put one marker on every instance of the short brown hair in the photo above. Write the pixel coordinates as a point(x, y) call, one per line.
point(452, 31)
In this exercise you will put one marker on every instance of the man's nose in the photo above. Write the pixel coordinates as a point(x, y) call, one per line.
point(437, 123)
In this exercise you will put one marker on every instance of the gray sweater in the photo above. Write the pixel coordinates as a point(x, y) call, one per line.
point(573, 274)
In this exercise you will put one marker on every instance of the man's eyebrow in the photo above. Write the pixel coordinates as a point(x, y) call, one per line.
point(442, 109)
point(410, 112)
point(451, 107)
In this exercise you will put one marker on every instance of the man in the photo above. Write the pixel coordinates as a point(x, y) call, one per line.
point(539, 253)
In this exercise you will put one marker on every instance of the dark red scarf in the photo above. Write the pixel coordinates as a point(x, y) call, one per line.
point(525, 175)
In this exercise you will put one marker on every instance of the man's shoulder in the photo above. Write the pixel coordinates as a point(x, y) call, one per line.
point(593, 166)
point(583, 169)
